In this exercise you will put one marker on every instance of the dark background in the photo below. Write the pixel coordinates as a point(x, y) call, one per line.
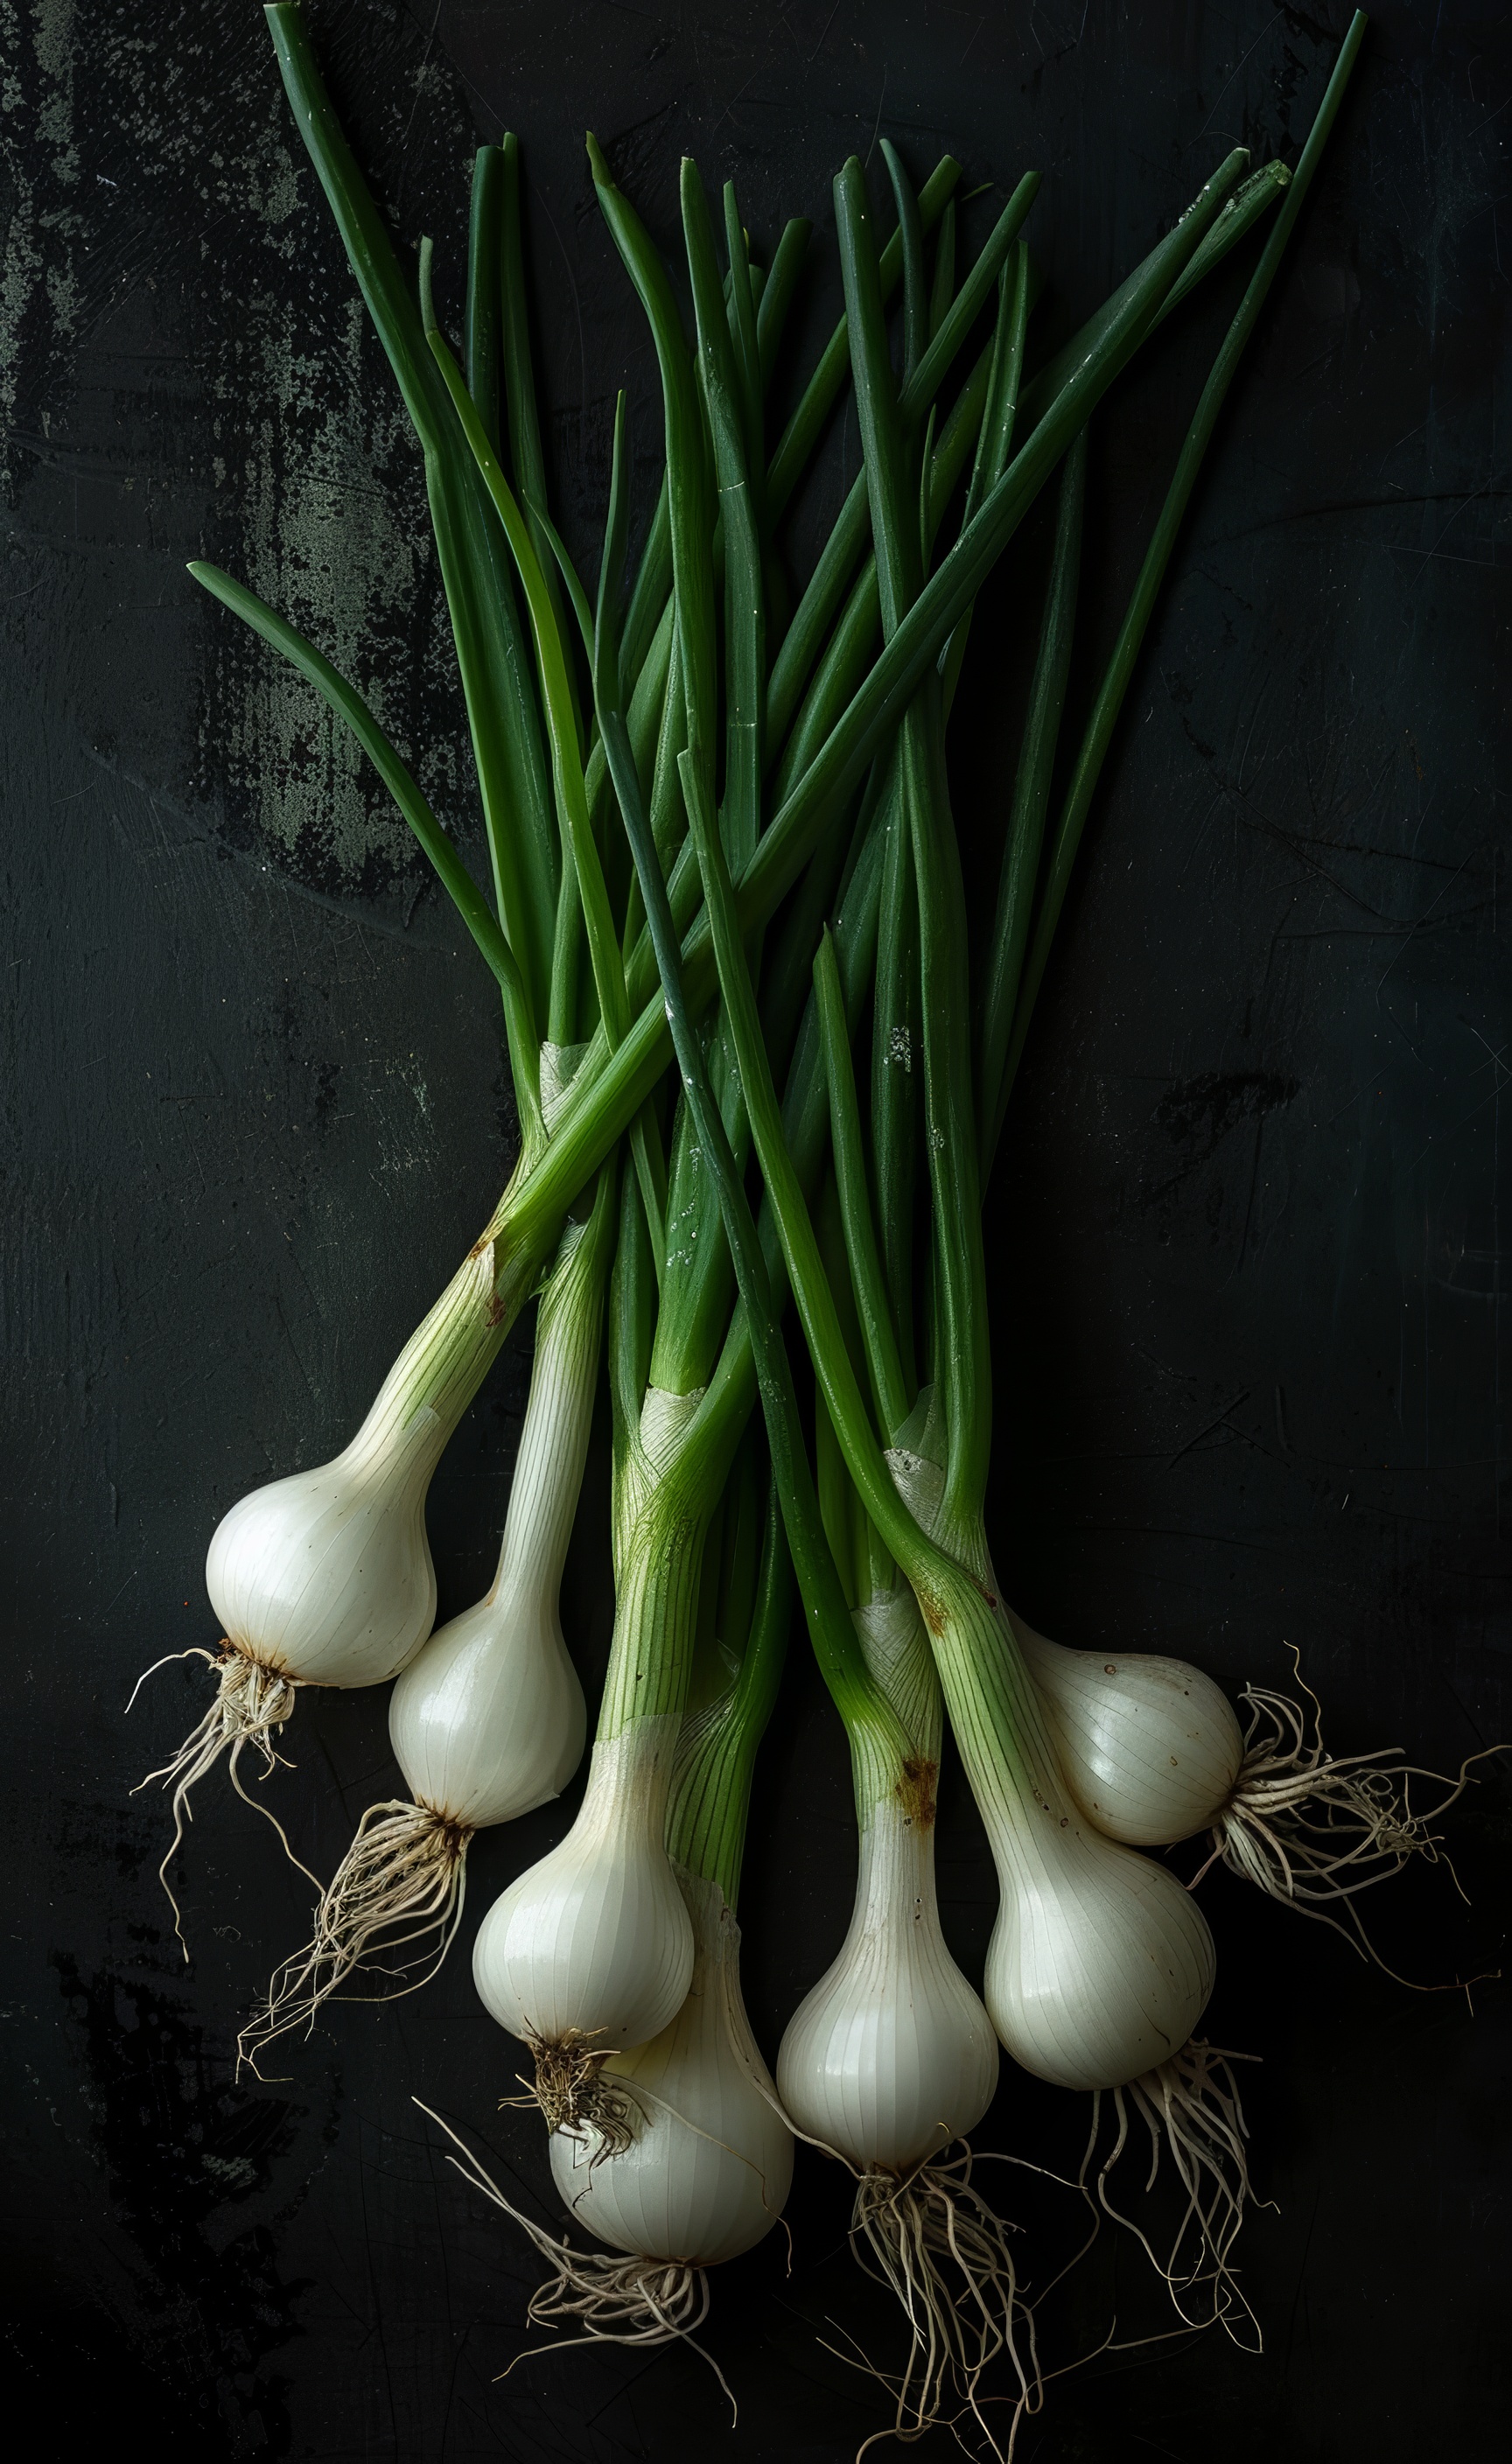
point(1246, 1237)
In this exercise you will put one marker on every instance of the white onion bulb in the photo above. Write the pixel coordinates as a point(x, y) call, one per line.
point(1151, 1749)
point(892, 2054)
point(1100, 1963)
point(489, 1719)
point(709, 2160)
point(594, 1941)
point(325, 1578)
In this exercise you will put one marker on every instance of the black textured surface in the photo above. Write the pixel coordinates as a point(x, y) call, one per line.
point(1246, 1239)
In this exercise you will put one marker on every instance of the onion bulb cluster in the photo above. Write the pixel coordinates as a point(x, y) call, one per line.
point(325, 1578)
point(735, 738)
point(689, 2160)
point(488, 1719)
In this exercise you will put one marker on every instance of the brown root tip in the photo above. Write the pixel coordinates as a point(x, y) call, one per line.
point(576, 2095)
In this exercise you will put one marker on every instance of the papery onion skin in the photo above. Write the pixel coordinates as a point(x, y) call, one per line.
point(595, 1939)
point(1150, 1747)
point(710, 2161)
point(892, 2054)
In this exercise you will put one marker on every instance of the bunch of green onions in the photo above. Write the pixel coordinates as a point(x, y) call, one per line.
point(721, 838)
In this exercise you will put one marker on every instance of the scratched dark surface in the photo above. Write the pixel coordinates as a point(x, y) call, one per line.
point(1246, 1239)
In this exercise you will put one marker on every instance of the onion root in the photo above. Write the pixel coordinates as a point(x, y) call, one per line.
point(613, 2298)
point(402, 1881)
point(1314, 1832)
point(1190, 2106)
point(941, 2249)
point(251, 1703)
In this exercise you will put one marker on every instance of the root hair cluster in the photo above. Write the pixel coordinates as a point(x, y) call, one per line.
point(251, 1703)
point(402, 1881)
point(610, 2296)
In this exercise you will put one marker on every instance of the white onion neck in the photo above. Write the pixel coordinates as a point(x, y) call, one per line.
point(559, 1415)
point(661, 1524)
point(440, 1369)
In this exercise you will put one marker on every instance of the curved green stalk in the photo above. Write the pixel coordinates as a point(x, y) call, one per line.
point(883, 1362)
point(787, 975)
point(562, 722)
point(963, 1364)
point(776, 297)
point(1031, 803)
point(896, 1046)
point(577, 597)
point(760, 1344)
point(740, 327)
point(690, 495)
point(610, 1087)
point(918, 327)
point(861, 1701)
point(848, 651)
point(801, 1251)
point(528, 461)
point(695, 1301)
point(942, 287)
point(450, 870)
point(823, 388)
point(994, 436)
point(885, 469)
point(480, 350)
point(474, 563)
point(1251, 201)
point(831, 579)
point(962, 1351)
point(1131, 632)
point(730, 410)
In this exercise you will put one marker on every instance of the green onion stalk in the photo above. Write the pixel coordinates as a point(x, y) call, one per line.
point(1150, 1748)
point(896, 2030)
point(487, 1720)
point(687, 2158)
point(917, 2202)
point(326, 1578)
point(404, 1868)
point(570, 1123)
point(591, 1953)
point(674, 1448)
point(1005, 1747)
point(1100, 1966)
point(550, 1965)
